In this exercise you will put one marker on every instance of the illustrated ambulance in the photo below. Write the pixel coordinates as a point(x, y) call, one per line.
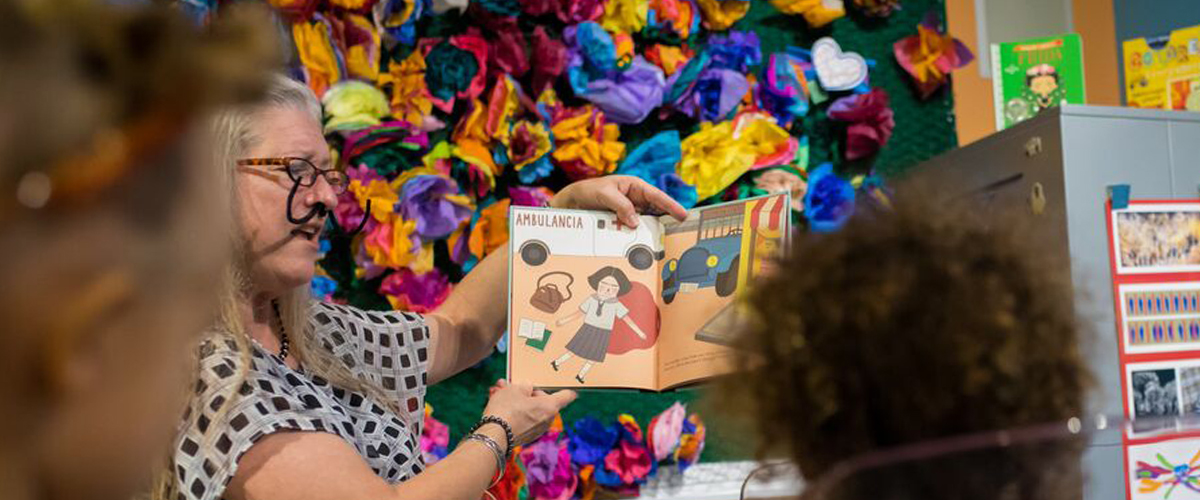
point(541, 233)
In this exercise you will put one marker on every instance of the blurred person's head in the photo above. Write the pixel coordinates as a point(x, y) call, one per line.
point(108, 233)
point(907, 326)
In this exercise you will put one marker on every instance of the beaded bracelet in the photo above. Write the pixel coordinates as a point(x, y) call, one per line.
point(501, 462)
point(508, 433)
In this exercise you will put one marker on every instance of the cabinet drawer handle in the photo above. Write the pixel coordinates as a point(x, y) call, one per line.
point(1037, 199)
point(1033, 147)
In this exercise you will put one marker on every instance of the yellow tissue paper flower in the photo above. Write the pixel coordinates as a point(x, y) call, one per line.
point(491, 231)
point(472, 143)
point(668, 57)
point(406, 82)
point(351, 4)
point(712, 159)
point(721, 14)
point(502, 106)
point(625, 49)
point(585, 146)
point(390, 245)
point(317, 55)
point(382, 196)
point(625, 16)
point(760, 134)
point(362, 60)
point(528, 143)
point(423, 261)
point(353, 105)
point(817, 13)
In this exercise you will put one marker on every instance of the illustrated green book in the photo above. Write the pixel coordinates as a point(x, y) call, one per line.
point(1033, 75)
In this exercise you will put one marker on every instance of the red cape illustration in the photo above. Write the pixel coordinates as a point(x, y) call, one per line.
point(644, 312)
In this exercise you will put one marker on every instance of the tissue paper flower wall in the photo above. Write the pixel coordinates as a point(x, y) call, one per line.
point(441, 130)
point(618, 457)
point(445, 113)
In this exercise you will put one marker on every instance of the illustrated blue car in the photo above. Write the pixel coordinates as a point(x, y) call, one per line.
point(710, 262)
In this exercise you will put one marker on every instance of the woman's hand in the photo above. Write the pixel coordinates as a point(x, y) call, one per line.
point(528, 411)
point(623, 194)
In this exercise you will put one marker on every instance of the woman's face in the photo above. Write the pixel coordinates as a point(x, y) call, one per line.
point(282, 255)
point(1043, 85)
point(608, 288)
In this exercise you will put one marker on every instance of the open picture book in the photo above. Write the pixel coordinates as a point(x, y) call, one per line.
point(594, 303)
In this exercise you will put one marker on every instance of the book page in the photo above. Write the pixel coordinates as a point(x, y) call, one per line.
point(709, 260)
point(583, 307)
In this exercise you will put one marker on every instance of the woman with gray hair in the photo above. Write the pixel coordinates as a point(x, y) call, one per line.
point(302, 399)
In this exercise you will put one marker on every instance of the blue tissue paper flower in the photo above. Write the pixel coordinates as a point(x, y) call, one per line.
point(323, 287)
point(829, 202)
point(591, 441)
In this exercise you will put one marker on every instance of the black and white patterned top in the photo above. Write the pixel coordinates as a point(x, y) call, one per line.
point(223, 422)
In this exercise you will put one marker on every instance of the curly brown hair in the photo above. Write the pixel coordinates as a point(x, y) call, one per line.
point(912, 324)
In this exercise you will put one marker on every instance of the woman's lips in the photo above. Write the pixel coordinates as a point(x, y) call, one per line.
point(308, 235)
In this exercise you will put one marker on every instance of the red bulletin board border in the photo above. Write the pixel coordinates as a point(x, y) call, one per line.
point(1124, 358)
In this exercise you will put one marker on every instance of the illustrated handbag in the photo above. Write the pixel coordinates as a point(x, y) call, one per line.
point(547, 297)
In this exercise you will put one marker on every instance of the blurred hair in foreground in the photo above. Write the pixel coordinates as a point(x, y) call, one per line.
point(110, 254)
point(911, 324)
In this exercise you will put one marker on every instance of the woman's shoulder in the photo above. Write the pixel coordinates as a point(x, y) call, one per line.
point(342, 316)
point(375, 338)
point(220, 360)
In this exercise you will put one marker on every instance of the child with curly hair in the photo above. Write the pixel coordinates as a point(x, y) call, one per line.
point(909, 325)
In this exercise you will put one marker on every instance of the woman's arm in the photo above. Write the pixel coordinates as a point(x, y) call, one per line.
point(466, 327)
point(322, 466)
point(468, 324)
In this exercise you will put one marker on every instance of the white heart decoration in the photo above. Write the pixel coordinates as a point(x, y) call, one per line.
point(838, 70)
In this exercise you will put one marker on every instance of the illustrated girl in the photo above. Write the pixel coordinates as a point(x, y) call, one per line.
point(599, 312)
point(1043, 87)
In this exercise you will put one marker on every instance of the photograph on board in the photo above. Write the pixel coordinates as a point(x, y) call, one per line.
point(1157, 238)
point(1155, 394)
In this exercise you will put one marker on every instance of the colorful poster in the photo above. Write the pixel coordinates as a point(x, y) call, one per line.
point(1164, 72)
point(1154, 250)
point(1165, 470)
point(1032, 75)
point(1160, 317)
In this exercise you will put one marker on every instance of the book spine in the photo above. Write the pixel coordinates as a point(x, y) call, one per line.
point(998, 86)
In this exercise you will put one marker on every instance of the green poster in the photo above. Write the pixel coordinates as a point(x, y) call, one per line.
point(1032, 75)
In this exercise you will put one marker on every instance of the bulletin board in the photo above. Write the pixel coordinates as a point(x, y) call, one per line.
point(1156, 291)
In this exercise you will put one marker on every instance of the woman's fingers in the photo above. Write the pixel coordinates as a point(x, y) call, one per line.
point(613, 199)
point(651, 196)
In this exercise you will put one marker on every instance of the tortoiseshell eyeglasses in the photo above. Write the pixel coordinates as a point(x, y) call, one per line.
point(302, 171)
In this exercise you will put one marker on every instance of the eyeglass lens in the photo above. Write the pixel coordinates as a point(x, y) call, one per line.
point(304, 172)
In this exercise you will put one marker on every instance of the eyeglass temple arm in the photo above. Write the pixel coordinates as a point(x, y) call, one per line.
point(361, 225)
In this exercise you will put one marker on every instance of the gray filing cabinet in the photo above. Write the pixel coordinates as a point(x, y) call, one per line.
point(1068, 157)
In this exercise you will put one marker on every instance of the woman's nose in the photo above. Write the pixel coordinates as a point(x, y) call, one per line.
point(322, 193)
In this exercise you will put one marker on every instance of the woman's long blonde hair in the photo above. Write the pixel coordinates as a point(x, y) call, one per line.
point(233, 135)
